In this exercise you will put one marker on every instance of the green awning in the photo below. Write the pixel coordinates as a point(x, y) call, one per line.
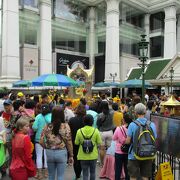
point(155, 68)
point(135, 74)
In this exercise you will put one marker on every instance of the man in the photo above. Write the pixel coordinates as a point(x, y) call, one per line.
point(138, 168)
point(5, 97)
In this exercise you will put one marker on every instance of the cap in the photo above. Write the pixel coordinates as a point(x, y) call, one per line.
point(20, 94)
point(7, 102)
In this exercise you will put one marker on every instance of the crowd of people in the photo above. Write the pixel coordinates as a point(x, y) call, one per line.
point(39, 137)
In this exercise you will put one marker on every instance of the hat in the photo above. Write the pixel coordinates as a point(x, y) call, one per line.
point(7, 102)
point(20, 94)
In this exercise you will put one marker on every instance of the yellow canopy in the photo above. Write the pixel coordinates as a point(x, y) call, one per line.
point(171, 102)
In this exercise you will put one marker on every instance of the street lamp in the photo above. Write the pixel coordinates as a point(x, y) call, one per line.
point(143, 52)
point(171, 77)
point(113, 76)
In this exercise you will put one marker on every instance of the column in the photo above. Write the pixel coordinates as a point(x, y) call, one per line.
point(147, 29)
point(170, 32)
point(178, 34)
point(92, 22)
point(10, 63)
point(112, 64)
point(45, 37)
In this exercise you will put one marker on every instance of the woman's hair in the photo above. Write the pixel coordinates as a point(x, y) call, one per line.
point(17, 104)
point(36, 99)
point(57, 119)
point(45, 109)
point(21, 122)
point(30, 104)
point(127, 118)
point(88, 120)
point(115, 106)
point(105, 107)
point(80, 110)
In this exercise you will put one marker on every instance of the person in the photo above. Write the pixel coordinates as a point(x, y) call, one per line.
point(93, 111)
point(138, 168)
point(22, 165)
point(76, 123)
point(118, 116)
point(68, 111)
point(2, 146)
point(121, 158)
point(88, 160)
point(20, 96)
point(40, 122)
point(105, 126)
point(56, 138)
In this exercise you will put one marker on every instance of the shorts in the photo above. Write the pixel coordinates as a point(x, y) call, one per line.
point(138, 168)
point(106, 137)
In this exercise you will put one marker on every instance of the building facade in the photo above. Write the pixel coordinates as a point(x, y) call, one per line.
point(44, 36)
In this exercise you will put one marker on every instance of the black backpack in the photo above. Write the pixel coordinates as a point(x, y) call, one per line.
point(87, 144)
point(144, 144)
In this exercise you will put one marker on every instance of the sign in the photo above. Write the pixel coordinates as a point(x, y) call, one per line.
point(30, 63)
point(72, 60)
point(167, 134)
point(164, 172)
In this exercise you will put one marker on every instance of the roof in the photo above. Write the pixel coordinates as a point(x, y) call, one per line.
point(135, 73)
point(154, 68)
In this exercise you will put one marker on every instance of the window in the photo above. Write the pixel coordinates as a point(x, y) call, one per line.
point(157, 46)
point(31, 3)
point(157, 21)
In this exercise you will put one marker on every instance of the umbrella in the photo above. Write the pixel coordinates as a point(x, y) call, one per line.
point(22, 83)
point(134, 83)
point(106, 84)
point(54, 80)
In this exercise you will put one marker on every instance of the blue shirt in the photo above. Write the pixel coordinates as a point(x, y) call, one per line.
point(39, 123)
point(131, 132)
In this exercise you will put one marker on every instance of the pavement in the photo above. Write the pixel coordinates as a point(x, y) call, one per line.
point(69, 174)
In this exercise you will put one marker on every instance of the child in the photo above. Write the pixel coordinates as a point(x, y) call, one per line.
point(22, 165)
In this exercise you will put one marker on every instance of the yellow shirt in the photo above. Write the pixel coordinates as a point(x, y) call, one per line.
point(117, 118)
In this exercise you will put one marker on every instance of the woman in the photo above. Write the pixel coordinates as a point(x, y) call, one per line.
point(22, 165)
point(105, 126)
point(76, 123)
point(41, 121)
point(56, 139)
point(121, 158)
point(88, 160)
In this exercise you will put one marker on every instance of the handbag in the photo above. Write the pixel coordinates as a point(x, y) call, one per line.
point(124, 147)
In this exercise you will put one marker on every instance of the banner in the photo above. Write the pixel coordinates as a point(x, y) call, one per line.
point(72, 60)
point(168, 135)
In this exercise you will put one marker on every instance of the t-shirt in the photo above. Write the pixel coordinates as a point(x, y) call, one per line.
point(131, 132)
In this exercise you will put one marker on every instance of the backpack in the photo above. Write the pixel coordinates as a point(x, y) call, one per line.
point(144, 142)
point(87, 144)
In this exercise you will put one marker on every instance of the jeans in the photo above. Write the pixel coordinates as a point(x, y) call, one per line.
point(56, 160)
point(77, 163)
point(89, 165)
point(120, 160)
point(40, 151)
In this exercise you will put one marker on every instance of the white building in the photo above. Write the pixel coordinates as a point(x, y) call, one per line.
point(43, 36)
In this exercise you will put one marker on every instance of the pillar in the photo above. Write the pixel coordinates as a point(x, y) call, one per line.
point(45, 37)
point(170, 32)
point(147, 30)
point(178, 34)
point(10, 62)
point(112, 64)
point(92, 35)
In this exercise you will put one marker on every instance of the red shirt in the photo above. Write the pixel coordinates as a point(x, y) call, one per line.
point(21, 153)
